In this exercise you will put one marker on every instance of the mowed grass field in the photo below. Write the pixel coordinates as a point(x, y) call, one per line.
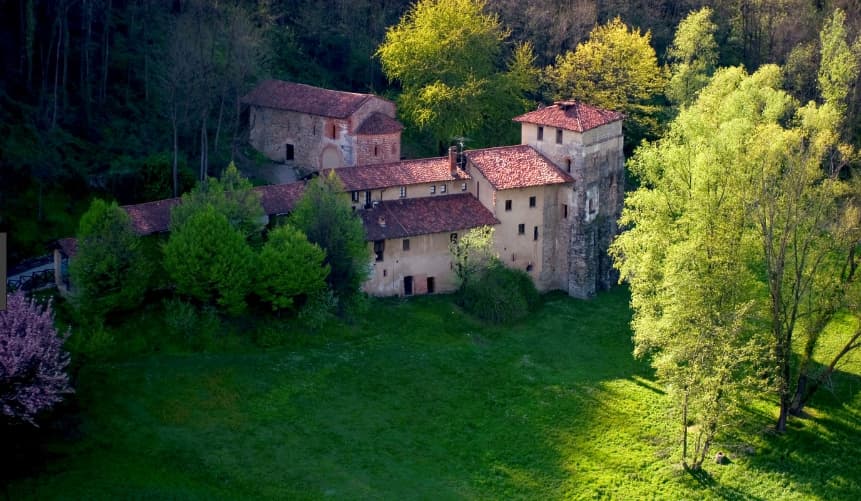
point(419, 401)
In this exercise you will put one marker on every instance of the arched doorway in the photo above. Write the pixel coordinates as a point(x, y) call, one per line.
point(330, 158)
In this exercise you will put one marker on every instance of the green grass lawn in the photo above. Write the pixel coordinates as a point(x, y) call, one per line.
point(418, 401)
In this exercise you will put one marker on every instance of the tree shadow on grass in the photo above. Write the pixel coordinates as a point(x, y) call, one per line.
point(818, 451)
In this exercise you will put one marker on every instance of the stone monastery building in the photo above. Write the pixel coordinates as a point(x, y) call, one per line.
point(553, 200)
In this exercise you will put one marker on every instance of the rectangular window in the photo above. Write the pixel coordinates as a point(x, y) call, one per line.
point(408, 285)
point(433, 189)
point(442, 188)
point(558, 136)
point(568, 164)
point(463, 187)
point(406, 244)
point(521, 229)
point(288, 152)
point(453, 238)
point(333, 132)
point(540, 133)
point(403, 192)
point(508, 205)
point(535, 233)
point(376, 150)
point(564, 211)
point(431, 285)
point(355, 196)
point(532, 201)
point(379, 247)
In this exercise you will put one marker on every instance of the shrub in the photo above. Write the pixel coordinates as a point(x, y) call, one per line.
point(187, 324)
point(209, 260)
point(109, 271)
point(32, 360)
point(499, 294)
point(289, 267)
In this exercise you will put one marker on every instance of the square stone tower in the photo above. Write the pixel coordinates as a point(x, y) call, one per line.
point(585, 142)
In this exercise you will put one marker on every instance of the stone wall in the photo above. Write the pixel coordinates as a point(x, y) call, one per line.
point(378, 149)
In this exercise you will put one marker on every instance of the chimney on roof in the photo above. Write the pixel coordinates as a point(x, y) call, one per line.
point(382, 221)
point(564, 105)
point(452, 160)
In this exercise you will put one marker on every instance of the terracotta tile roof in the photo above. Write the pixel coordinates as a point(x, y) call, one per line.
point(305, 99)
point(426, 215)
point(379, 123)
point(403, 173)
point(518, 166)
point(280, 198)
point(570, 115)
point(151, 217)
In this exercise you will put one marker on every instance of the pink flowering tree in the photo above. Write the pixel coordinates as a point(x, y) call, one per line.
point(32, 361)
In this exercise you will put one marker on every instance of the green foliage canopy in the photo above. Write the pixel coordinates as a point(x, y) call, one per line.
point(616, 69)
point(109, 271)
point(325, 216)
point(210, 260)
point(231, 196)
point(693, 56)
point(289, 266)
point(736, 235)
point(447, 56)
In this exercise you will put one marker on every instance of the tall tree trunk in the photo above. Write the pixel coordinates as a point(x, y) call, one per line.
point(106, 51)
point(175, 170)
point(204, 149)
point(685, 430)
point(806, 391)
point(55, 104)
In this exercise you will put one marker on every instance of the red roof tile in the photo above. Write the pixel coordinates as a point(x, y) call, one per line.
point(379, 123)
point(280, 198)
point(305, 99)
point(403, 173)
point(570, 115)
point(423, 216)
point(151, 217)
point(518, 166)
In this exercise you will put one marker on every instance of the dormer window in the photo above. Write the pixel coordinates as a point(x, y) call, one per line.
point(558, 136)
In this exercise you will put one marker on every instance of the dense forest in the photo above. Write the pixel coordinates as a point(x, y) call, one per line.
point(104, 97)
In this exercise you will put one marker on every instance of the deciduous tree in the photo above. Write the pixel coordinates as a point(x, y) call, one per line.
point(616, 69)
point(289, 266)
point(325, 216)
point(692, 56)
point(109, 271)
point(231, 195)
point(737, 244)
point(447, 56)
point(210, 260)
point(32, 360)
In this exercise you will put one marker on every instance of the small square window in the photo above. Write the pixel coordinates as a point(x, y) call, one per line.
point(355, 196)
point(521, 229)
point(558, 136)
point(442, 188)
point(403, 192)
point(532, 201)
point(453, 238)
point(508, 205)
point(540, 133)
point(406, 242)
point(535, 233)
point(463, 187)
point(433, 189)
